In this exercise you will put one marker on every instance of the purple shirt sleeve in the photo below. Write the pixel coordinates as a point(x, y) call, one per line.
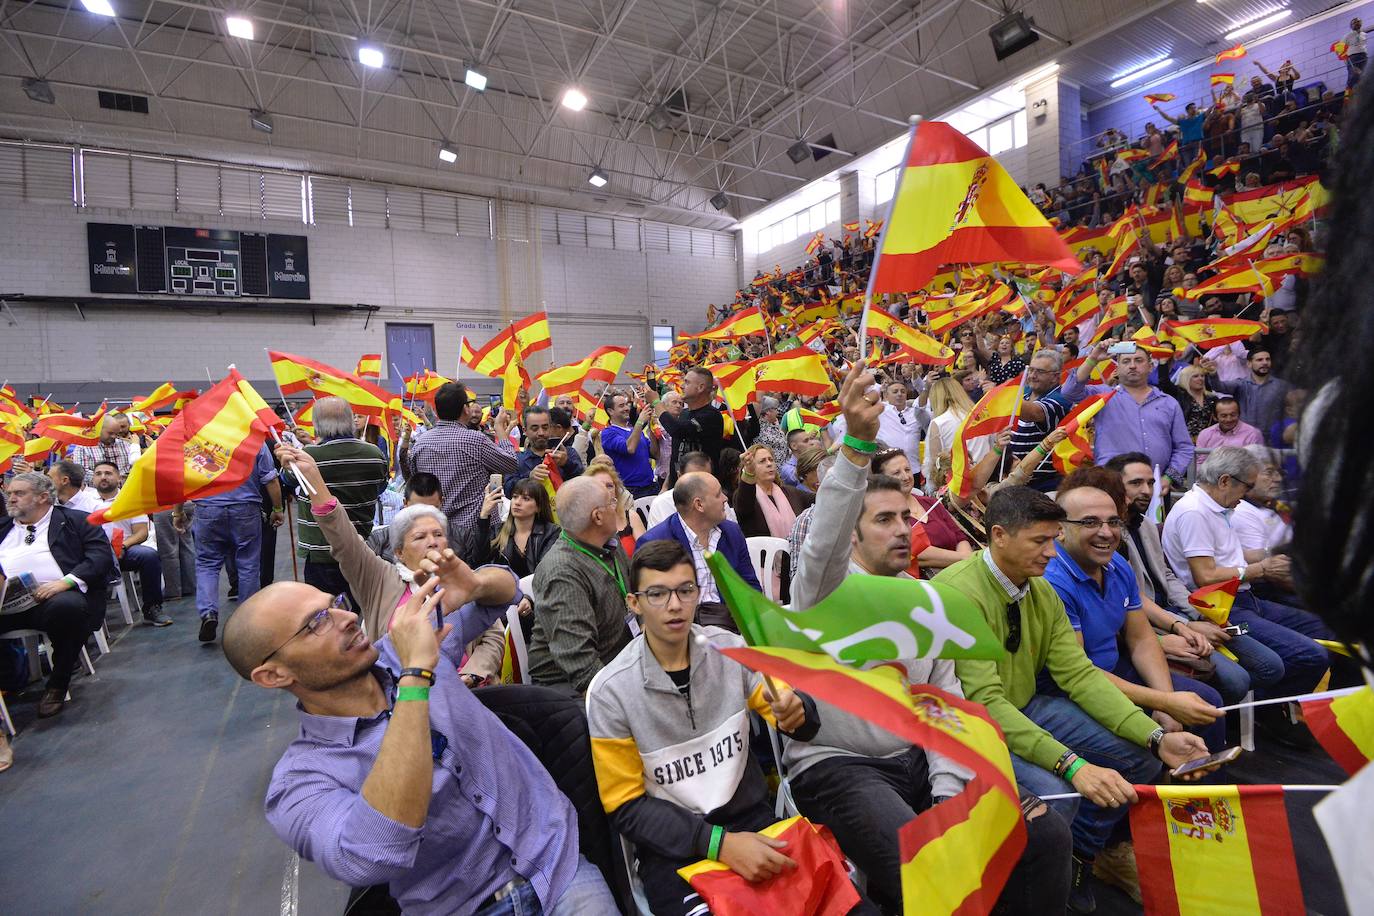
point(1182, 457)
point(472, 620)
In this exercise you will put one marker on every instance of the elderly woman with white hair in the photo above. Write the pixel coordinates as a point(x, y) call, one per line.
point(381, 587)
point(770, 428)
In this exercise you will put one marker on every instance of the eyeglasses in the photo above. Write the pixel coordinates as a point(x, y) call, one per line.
point(1033, 370)
point(1013, 641)
point(658, 596)
point(319, 622)
point(1092, 522)
point(32, 535)
point(1248, 484)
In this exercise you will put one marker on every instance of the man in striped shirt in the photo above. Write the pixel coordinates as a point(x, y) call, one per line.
point(356, 472)
point(1043, 409)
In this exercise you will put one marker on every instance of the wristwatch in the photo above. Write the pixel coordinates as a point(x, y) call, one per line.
point(1156, 737)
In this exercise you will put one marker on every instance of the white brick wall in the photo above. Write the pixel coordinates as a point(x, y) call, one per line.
point(593, 296)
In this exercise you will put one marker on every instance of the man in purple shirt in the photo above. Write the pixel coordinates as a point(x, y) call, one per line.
point(1229, 428)
point(399, 774)
point(1140, 418)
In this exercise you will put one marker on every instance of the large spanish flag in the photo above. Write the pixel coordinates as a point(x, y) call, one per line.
point(209, 448)
point(601, 365)
point(1214, 601)
point(1206, 333)
point(923, 347)
point(799, 371)
point(530, 335)
point(819, 886)
point(1215, 851)
point(746, 323)
point(70, 428)
point(955, 204)
point(1345, 727)
point(1300, 198)
point(296, 374)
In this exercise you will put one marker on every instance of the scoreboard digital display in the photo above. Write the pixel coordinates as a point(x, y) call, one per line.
point(215, 263)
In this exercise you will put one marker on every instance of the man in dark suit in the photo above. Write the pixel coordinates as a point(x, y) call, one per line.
point(701, 527)
point(71, 563)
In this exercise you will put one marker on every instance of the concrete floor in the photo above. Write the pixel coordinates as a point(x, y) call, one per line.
point(144, 797)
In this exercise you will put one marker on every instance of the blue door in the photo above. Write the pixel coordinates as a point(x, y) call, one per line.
point(409, 349)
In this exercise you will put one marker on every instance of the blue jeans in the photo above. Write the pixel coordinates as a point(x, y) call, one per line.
point(1231, 679)
point(1214, 734)
point(1091, 825)
point(1291, 663)
point(148, 564)
point(587, 894)
point(221, 532)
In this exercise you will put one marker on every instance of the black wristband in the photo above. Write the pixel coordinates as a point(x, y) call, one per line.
point(424, 673)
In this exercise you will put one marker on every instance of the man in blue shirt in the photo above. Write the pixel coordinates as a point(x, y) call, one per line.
point(1104, 606)
point(230, 524)
point(399, 774)
point(628, 445)
point(1189, 127)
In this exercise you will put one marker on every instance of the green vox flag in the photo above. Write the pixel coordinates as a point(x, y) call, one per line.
point(868, 618)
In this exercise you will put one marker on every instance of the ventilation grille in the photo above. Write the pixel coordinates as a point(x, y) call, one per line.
point(123, 101)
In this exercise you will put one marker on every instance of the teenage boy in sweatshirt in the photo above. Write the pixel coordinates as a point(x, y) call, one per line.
point(669, 720)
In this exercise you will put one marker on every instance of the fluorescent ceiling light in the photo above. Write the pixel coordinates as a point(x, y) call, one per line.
point(597, 179)
point(1254, 25)
point(475, 80)
point(99, 7)
point(448, 154)
point(1141, 71)
point(369, 56)
point(574, 99)
point(239, 27)
point(260, 120)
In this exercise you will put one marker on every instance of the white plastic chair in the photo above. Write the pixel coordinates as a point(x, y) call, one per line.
point(516, 637)
point(627, 852)
point(642, 505)
point(764, 552)
point(5, 717)
point(46, 646)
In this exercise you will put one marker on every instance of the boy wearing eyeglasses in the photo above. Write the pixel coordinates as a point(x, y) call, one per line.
point(669, 720)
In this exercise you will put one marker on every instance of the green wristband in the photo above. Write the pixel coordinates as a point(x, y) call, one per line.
point(713, 850)
point(860, 445)
point(412, 693)
point(1073, 768)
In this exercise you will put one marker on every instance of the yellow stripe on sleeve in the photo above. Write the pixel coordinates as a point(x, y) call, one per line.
point(619, 771)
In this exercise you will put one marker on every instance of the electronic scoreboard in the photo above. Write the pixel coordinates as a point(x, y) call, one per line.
point(178, 261)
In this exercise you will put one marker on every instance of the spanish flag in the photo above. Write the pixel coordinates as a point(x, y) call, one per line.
point(737, 385)
point(601, 365)
point(994, 410)
point(1195, 192)
point(1186, 175)
point(814, 245)
point(514, 379)
point(819, 886)
point(1177, 228)
point(1344, 726)
point(1146, 340)
point(807, 312)
point(369, 366)
point(1077, 450)
point(1206, 333)
point(45, 405)
point(1083, 305)
point(1298, 200)
point(1340, 49)
point(165, 394)
point(1231, 167)
point(1239, 278)
point(11, 444)
point(822, 416)
point(70, 428)
point(1235, 53)
point(1215, 851)
point(1169, 152)
point(955, 204)
point(1113, 316)
point(38, 449)
point(530, 335)
point(852, 227)
point(1102, 373)
point(1223, 79)
point(184, 398)
point(1156, 97)
point(296, 374)
point(746, 323)
point(424, 385)
point(800, 371)
point(209, 448)
point(1214, 601)
point(1126, 247)
point(304, 419)
point(590, 411)
point(923, 347)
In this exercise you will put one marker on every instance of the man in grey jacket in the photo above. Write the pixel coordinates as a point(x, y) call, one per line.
point(860, 780)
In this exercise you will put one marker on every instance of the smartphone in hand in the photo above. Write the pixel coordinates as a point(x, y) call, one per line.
point(1211, 760)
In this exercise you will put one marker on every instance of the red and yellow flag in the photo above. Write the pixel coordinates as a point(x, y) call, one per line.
point(822, 416)
point(799, 371)
point(71, 429)
point(1113, 316)
point(1126, 247)
point(369, 366)
point(852, 227)
point(1344, 726)
point(1297, 200)
point(955, 204)
point(1195, 192)
point(1169, 152)
point(165, 394)
point(737, 385)
point(1234, 53)
point(1206, 333)
point(424, 385)
point(297, 374)
point(1077, 450)
point(530, 335)
point(746, 323)
point(1214, 601)
point(1102, 373)
point(304, 419)
point(1340, 49)
point(1226, 168)
point(814, 245)
point(601, 365)
point(1146, 340)
point(1155, 97)
point(923, 347)
point(818, 886)
point(994, 410)
point(38, 449)
point(11, 444)
point(1215, 851)
point(1191, 169)
point(1223, 79)
point(209, 448)
point(1084, 304)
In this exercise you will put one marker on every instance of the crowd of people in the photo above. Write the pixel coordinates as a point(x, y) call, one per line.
point(415, 550)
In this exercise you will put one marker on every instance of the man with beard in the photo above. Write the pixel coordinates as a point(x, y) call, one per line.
point(530, 462)
point(1261, 395)
point(139, 544)
point(699, 426)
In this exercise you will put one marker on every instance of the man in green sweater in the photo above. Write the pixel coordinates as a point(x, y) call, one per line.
point(1094, 740)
